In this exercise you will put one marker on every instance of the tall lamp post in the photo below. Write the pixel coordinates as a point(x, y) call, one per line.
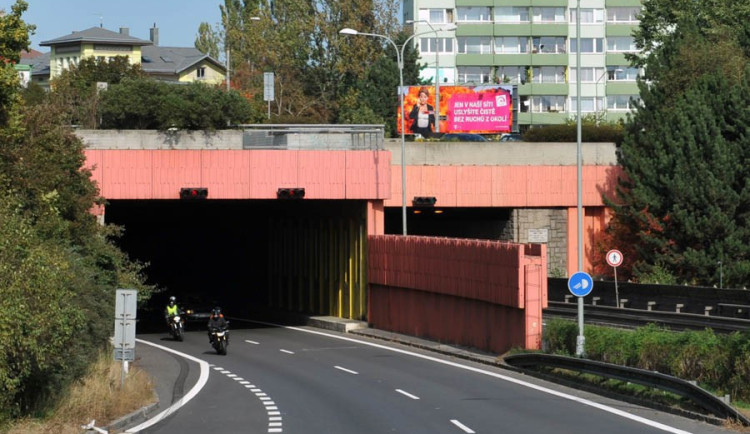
point(437, 71)
point(581, 339)
point(400, 62)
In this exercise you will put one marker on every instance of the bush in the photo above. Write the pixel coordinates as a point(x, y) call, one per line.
point(605, 133)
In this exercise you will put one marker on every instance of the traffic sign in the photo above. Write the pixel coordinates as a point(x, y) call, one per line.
point(580, 284)
point(614, 258)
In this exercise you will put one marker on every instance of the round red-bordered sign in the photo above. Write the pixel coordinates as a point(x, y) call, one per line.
point(614, 258)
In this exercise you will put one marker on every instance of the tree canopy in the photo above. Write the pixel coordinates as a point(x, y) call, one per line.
point(683, 208)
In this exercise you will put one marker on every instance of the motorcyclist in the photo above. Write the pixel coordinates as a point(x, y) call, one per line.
point(216, 321)
point(171, 310)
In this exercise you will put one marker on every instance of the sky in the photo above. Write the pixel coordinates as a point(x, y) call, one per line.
point(177, 20)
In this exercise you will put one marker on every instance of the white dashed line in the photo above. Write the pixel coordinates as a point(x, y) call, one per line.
point(465, 428)
point(286, 351)
point(347, 370)
point(252, 342)
point(274, 416)
point(407, 394)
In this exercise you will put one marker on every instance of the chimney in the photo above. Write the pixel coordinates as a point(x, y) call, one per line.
point(125, 31)
point(154, 35)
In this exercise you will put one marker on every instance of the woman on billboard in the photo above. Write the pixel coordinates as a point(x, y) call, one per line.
point(422, 115)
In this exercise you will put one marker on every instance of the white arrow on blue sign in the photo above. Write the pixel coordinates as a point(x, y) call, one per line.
point(580, 284)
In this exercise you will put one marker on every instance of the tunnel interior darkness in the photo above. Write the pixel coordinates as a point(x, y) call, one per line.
point(215, 252)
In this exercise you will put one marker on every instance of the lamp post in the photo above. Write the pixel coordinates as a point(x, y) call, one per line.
point(437, 69)
point(581, 339)
point(226, 46)
point(596, 90)
point(400, 63)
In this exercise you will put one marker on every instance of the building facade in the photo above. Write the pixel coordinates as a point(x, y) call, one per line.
point(533, 43)
point(173, 64)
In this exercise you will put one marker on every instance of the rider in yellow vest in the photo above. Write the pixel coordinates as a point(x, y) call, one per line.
point(171, 309)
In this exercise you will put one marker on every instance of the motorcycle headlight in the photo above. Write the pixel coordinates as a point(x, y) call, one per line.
point(176, 317)
point(219, 334)
point(189, 311)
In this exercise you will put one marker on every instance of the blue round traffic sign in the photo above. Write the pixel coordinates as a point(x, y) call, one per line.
point(580, 284)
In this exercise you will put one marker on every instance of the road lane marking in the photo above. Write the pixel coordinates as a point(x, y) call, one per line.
point(286, 351)
point(202, 380)
point(606, 408)
point(465, 428)
point(407, 394)
point(252, 342)
point(274, 417)
point(347, 370)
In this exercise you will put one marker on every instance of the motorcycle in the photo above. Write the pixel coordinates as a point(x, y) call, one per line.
point(176, 327)
point(220, 340)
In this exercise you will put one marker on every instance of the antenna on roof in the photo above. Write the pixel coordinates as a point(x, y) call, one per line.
point(101, 18)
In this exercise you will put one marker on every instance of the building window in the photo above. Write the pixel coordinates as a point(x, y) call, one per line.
point(621, 44)
point(621, 73)
point(473, 15)
point(588, 45)
point(200, 72)
point(428, 45)
point(588, 74)
point(588, 104)
point(474, 74)
point(622, 102)
point(511, 14)
point(548, 104)
point(548, 44)
point(474, 45)
point(588, 16)
point(436, 16)
point(511, 74)
point(548, 74)
point(628, 15)
point(549, 15)
point(511, 45)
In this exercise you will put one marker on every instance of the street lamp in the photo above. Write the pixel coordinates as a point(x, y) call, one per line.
point(437, 67)
point(596, 90)
point(400, 63)
point(581, 339)
point(226, 45)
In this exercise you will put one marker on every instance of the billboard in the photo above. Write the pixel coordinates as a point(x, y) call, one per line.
point(484, 109)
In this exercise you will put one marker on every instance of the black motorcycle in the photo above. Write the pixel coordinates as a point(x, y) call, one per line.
point(220, 340)
point(176, 327)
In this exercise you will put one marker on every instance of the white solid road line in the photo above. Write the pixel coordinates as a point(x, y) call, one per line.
point(182, 401)
point(407, 394)
point(465, 428)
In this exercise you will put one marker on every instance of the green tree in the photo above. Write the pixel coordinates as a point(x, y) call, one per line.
point(147, 104)
point(14, 38)
point(207, 40)
point(683, 204)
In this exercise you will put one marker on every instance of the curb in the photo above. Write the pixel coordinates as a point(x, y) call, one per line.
point(138, 415)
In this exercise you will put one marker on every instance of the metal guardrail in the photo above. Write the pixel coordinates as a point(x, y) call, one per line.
point(632, 318)
point(698, 395)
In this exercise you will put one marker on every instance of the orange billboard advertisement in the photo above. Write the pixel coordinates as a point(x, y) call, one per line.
point(486, 109)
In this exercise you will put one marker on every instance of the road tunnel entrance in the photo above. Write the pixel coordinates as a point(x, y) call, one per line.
point(298, 255)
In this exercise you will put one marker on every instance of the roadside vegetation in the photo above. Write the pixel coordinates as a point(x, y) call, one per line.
point(717, 362)
point(99, 396)
point(59, 268)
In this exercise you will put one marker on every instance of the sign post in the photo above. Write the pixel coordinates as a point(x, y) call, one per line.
point(580, 284)
point(125, 314)
point(268, 90)
point(614, 259)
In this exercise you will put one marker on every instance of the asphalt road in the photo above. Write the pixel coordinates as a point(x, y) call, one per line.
point(306, 380)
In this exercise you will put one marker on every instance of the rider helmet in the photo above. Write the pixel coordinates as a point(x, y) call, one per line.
point(216, 312)
point(172, 300)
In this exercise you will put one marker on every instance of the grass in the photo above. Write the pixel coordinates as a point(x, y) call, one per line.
point(97, 396)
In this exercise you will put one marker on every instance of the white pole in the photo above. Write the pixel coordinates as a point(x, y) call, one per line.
point(581, 340)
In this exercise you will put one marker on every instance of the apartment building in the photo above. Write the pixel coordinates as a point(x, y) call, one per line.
point(533, 43)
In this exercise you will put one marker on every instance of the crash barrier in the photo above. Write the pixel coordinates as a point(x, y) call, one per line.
point(487, 295)
point(697, 395)
point(699, 300)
